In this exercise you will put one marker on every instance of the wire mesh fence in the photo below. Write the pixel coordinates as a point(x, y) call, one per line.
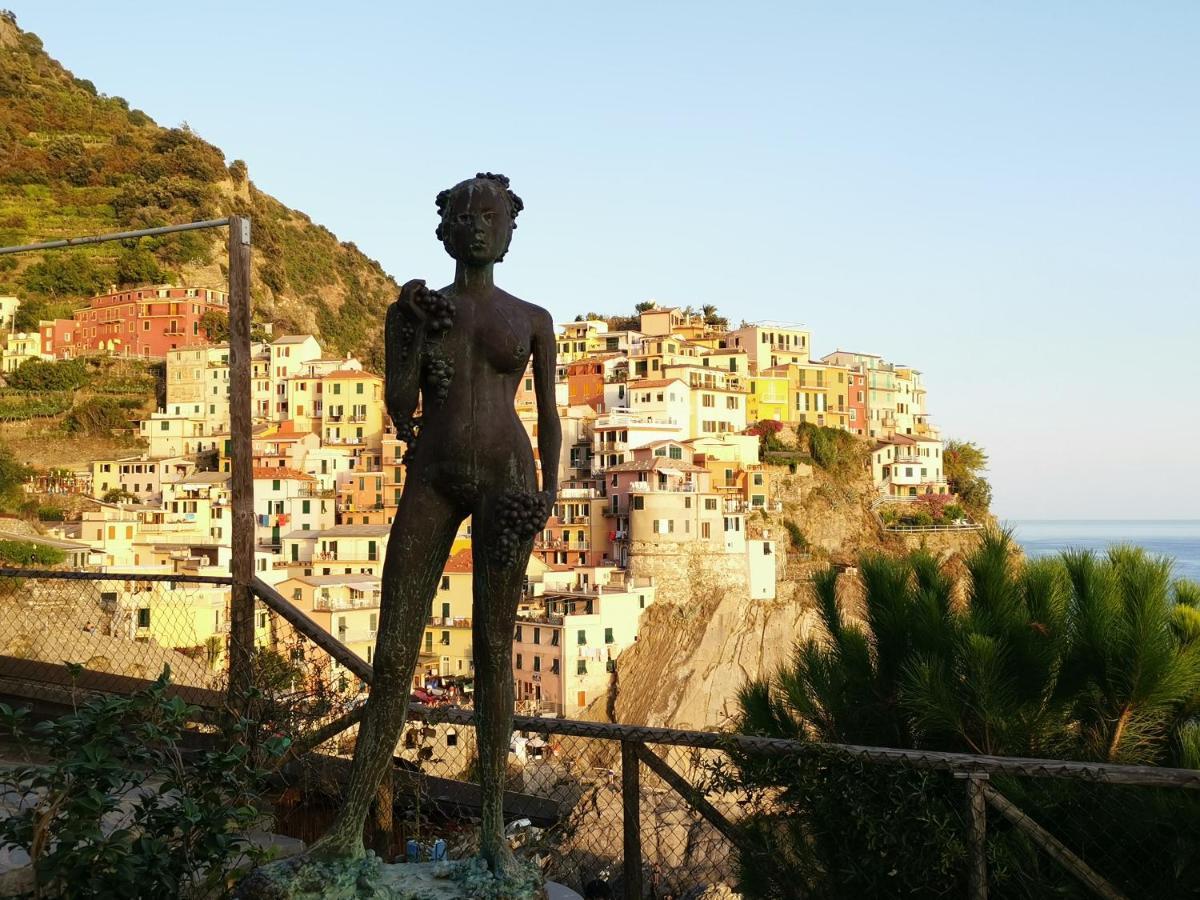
point(112, 633)
point(772, 818)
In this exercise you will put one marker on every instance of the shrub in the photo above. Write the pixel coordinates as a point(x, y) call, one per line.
point(117, 495)
point(181, 824)
point(799, 541)
point(29, 553)
point(44, 375)
point(20, 407)
point(98, 417)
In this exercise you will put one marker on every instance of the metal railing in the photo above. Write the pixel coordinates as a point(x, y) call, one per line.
point(655, 811)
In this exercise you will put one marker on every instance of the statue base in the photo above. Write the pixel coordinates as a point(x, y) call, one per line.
point(301, 878)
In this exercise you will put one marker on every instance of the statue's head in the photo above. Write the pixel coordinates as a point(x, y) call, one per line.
point(479, 216)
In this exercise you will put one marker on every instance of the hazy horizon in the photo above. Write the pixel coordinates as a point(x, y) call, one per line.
point(1006, 197)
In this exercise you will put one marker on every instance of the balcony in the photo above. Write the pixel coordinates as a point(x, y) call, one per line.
point(335, 604)
point(449, 622)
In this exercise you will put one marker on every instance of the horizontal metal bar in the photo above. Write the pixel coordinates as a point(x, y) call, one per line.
point(72, 575)
point(299, 620)
point(1143, 776)
point(115, 236)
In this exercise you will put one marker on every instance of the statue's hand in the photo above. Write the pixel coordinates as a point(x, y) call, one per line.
point(410, 296)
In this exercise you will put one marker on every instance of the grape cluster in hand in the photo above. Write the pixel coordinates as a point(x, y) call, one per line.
point(520, 516)
point(438, 309)
point(438, 371)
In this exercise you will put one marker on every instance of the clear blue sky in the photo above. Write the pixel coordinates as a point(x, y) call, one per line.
point(1004, 195)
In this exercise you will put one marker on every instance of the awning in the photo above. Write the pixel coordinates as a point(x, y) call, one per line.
point(668, 471)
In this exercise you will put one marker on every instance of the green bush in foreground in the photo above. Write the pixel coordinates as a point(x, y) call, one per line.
point(180, 824)
point(1081, 657)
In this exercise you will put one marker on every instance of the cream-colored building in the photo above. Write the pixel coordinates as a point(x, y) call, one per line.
point(19, 348)
point(908, 466)
point(8, 311)
point(770, 344)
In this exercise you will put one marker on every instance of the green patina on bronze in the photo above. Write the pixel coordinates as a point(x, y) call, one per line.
point(460, 353)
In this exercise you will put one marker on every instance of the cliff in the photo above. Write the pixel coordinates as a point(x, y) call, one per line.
point(704, 637)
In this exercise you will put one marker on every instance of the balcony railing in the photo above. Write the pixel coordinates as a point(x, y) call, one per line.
point(334, 604)
point(449, 622)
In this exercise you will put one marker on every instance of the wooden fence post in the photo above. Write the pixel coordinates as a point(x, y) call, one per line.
point(241, 474)
point(977, 884)
point(631, 817)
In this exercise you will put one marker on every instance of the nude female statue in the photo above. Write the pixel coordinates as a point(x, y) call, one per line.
point(462, 351)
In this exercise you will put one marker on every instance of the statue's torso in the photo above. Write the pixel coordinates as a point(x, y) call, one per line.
point(473, 441)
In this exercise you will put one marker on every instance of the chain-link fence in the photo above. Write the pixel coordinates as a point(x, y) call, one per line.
point(653, 812)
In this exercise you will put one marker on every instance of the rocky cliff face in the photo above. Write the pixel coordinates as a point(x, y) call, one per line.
point(704, 637)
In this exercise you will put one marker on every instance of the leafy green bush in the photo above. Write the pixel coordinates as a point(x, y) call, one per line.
point(99, 417)
point(180, 824)
point(18, 407)
point(28, 553)
point(45, 375)
point(117, 495)
point(66, 273)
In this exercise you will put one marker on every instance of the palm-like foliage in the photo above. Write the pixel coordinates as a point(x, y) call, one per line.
point(1082, 656)
point(1077, 657)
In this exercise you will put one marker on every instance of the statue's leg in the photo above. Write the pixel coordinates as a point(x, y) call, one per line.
point(498, 584)
point(421, 537)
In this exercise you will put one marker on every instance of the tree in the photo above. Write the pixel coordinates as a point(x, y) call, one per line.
point(13, 475)
point(645, 306)
point(963, 462)
point(65, 274)
point(138, 266)
point(215, 324)
point(1076, 657)
point(117, 495)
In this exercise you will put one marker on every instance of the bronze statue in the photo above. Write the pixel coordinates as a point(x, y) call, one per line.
point(462, 351)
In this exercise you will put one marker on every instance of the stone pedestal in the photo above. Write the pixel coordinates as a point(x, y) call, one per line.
point(301, 878)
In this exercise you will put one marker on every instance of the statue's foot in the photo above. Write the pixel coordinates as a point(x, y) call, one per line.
point(335, 847)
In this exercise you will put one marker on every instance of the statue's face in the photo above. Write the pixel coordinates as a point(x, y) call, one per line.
point(477, 226)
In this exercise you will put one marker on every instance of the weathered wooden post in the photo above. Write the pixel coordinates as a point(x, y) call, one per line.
point(631, 809)
point(977, 887)
point(241, 474)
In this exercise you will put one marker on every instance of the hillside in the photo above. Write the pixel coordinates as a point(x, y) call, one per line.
point(74, 161)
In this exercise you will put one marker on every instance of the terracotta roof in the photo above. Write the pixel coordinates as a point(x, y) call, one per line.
point(655, 382)
point(462, 561)
point(346, 373)
point(281, 472)
point(658, 462)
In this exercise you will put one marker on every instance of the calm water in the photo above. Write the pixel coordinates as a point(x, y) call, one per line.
point(1176, 538)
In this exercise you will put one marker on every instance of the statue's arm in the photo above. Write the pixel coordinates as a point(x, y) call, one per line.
point(402, 353)
point(549, 438)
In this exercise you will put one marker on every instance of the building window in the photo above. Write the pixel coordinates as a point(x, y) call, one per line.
point(537, 664)
point(582, 637)
point(581, 667)
point(520, 663)
point(608, 636)
point(445, 582)
point(639, 502)
point(143, 618)
point(517, 634)
point(537, 635)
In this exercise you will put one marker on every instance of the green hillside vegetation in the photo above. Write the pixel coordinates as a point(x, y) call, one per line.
point(74, 161)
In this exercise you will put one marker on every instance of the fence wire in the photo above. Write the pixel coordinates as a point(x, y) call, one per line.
point(770, 819)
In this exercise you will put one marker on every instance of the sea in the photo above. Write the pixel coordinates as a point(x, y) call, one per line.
point(1178, 539)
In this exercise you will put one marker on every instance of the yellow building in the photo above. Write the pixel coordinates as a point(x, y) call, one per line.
point(768, 398)
point(817, 394)
point(580, 339)
point(353, 409)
